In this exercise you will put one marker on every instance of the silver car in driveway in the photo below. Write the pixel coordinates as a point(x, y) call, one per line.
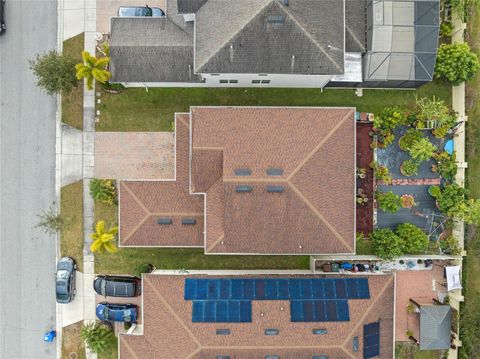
point(140, 11)
point(65, 280)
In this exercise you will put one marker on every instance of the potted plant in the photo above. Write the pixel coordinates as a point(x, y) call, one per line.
point(409, 168)
point(388, 201)
point(410, 137)
point(422, 149)
point(434, 191)
point(407, 201)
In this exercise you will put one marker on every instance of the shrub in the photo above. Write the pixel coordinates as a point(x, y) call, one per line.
point(412, 238)
point(143, 268)
point(55, 72)
point(451, 200)
point(409, 138)
point(430, 109)
point(98, 337)
point(104, 240)
point(388, 201)
point(446, 164)
point(381, 172)
point(103, 191)
point(422, 150)
point(450, 246)
point(388, 120)
point(409, 168)
point(446, 29)
point(386, 243)
point(434, 191)
point(456, 63)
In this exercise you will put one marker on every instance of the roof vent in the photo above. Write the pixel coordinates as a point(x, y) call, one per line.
point(164, 220)
point(276, 19)
point(320, 357)
point(189, 220)
point(243, 188)
point(274, 172)
point(319, 331)
point(223, 331)
point(285, 2)
point(271, 331)
point(272, 357)
point(275, 189)
point(222, 357)
point(243, 172)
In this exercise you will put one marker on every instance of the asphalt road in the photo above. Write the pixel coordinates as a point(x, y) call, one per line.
point(27, 169)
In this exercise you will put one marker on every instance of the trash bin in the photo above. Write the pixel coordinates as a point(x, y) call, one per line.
point(49, 336)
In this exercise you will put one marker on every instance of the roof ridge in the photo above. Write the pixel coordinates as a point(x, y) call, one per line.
point(198, 68)
point(300, 25)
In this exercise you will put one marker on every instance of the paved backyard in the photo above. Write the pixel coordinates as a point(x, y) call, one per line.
point(134, 155)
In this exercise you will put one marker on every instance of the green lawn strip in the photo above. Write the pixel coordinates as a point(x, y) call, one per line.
point(364, 247)
point(471, 265)
point(127, 259)
point(408, 350)
point(137, 110)
point(71, 207)
point(72, 103)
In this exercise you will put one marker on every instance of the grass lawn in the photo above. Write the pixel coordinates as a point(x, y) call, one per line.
point(71, 341)
point(407, 350)
point(127, 259)
point(137, 110)
point(113, 354)
point(364, 246)
point(71, 206)
point(72, 104)
point(471, 268)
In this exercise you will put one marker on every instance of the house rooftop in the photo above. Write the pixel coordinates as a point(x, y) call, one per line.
point(173, 326)
point(275, 180)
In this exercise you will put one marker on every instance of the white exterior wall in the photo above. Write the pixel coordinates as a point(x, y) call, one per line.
point(245, 80)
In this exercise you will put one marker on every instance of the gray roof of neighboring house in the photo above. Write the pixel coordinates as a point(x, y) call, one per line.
point(265, 36)
point(150, 50)
point(435, 324)
point(355, 27)
point(189, 6)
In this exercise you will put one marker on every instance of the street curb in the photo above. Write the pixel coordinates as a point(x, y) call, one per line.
point(58, 170)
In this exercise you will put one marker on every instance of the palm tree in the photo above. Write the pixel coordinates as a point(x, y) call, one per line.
point(92, 68)
point(104, 240)
point(99, 337)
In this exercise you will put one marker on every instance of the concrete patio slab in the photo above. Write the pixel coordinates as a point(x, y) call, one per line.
point(134, 155)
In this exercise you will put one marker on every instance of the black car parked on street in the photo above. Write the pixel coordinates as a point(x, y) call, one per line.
point(3, 27)
point(117, 286)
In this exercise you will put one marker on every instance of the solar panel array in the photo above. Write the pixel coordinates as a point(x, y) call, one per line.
point(319, 310)
point(222, 311)
point(276, 289)
point(371, 340)
point(311, 299)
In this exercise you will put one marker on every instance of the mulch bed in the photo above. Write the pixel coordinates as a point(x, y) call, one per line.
point(364, 213)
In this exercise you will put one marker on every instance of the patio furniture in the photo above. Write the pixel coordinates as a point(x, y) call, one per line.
point(335, 267)
point(327, 267)
point(411, 264)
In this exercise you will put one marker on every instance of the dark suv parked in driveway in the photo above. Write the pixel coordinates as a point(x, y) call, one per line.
point(117, 286)
point(3, 27)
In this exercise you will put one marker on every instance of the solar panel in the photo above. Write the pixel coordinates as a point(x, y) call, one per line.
point(245, 311)
point(294, 288)
point(296, 311)
point(331, 310)
point(243, 188)
point(363, 291)
point(210, 311)
point(189, 221)
point(371, 340)
point(271, 289)
point(221, 311)
point(213, 288)
point(197, 311)
point(340, 289)
point(248, 288)
point(306, 291)
point(260, 292)
point(308, 311)
point(283, 289)
point(234, 311)
point(320, 313)
point(225, 289)
point(164, 221)
point(343, 314)
point(329, 288)
point(237, 289)
point(201, 292)
point(274, 172)
point(190, 289)
point(243, 172)
point(352, 291)
point(317, 286)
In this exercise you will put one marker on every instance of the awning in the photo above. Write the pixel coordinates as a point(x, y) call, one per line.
point(454, 278)
point(435, 323)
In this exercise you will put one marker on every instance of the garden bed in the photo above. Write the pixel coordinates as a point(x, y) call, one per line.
point(364, 213)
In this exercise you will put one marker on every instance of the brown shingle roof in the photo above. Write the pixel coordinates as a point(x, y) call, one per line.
point(142, 203)
point(170, 333)
point(315, 148)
